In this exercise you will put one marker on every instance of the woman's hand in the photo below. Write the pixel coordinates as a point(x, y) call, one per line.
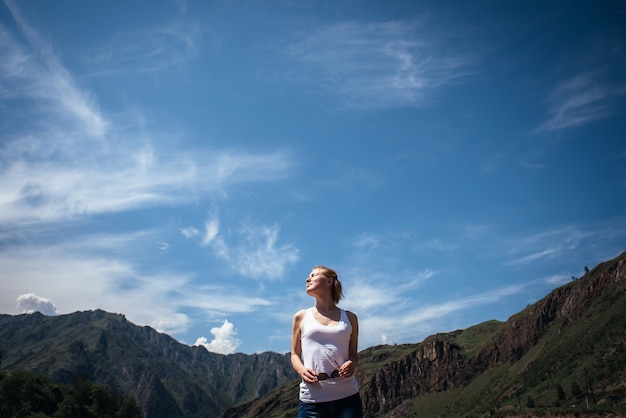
point(347, 369)
point(308, 375)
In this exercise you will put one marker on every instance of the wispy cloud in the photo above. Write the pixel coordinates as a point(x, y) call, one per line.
point(546, 245)
point(53, 172)
point(212, 227)
point(556, 279)
point(377, 65)
point(259, 255)
point(113, 180)
point(547, 253)
point(580, 100)
point(366, 240)
point(414, 324)
point(594, 241)
point(190, 232)
point(64, 158)
point(251, 250)
point(33, 71)
point(149, 49)
point(367, 291)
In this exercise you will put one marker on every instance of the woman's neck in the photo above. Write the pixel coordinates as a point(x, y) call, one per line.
point(325, 306)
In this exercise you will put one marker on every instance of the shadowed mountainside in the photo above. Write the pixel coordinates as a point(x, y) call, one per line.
point(168, 379)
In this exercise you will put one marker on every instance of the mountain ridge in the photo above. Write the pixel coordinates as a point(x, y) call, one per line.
point(167, 378)
point(569, 348)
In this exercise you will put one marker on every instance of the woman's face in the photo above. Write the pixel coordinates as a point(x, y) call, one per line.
point(317, 281)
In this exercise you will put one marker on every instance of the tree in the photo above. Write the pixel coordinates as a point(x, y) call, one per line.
point(129, 409)
point(25, 394)
point(577, 392)
point(560, 394)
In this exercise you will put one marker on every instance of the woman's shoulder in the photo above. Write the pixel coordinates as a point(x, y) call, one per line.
point(300, 314)
point(351, 316)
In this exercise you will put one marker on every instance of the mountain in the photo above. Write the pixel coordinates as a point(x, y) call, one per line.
point(564, 356)
point(168, 379)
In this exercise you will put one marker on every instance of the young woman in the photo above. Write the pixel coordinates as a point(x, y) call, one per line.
point(324, 351)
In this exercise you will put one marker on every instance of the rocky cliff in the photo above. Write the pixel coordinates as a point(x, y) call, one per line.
point(439, 364)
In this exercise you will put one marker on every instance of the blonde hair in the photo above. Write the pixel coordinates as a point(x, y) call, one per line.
point(336, 290)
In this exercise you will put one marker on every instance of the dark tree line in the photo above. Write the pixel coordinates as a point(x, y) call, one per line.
point(25, 394)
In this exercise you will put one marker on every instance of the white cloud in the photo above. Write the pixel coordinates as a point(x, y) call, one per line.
point(250, 250)
point(580, 100)
point(68, 159)
point(39, 75)
point(557, 279)
point(547, 245)
point(374, 65)
point(149, 49)
point(30, 303)
point(41, 189)
point(367, 289)
point(212, 227)
point(254, 252)
point(364, 297)
point(224, 341)
point(547, 253)
point(402, 324)
point(190, 232)
point(178, 322)
point(259, 256)
point(385, 340)
point(365, 240)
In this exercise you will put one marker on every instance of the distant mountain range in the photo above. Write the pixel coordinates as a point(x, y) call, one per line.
point(168, 379)
point(563, 356)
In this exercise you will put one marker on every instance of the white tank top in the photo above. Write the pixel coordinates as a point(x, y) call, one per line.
point(324, 349)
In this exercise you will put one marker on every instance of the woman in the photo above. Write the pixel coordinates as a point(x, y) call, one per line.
point(324, 352)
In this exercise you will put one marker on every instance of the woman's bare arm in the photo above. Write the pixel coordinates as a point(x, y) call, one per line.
point(348, 368)
point(307, 375)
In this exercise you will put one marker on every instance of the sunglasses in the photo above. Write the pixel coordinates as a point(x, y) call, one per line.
point(325, 376)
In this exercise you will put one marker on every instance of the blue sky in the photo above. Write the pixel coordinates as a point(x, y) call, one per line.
point(187, 163)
